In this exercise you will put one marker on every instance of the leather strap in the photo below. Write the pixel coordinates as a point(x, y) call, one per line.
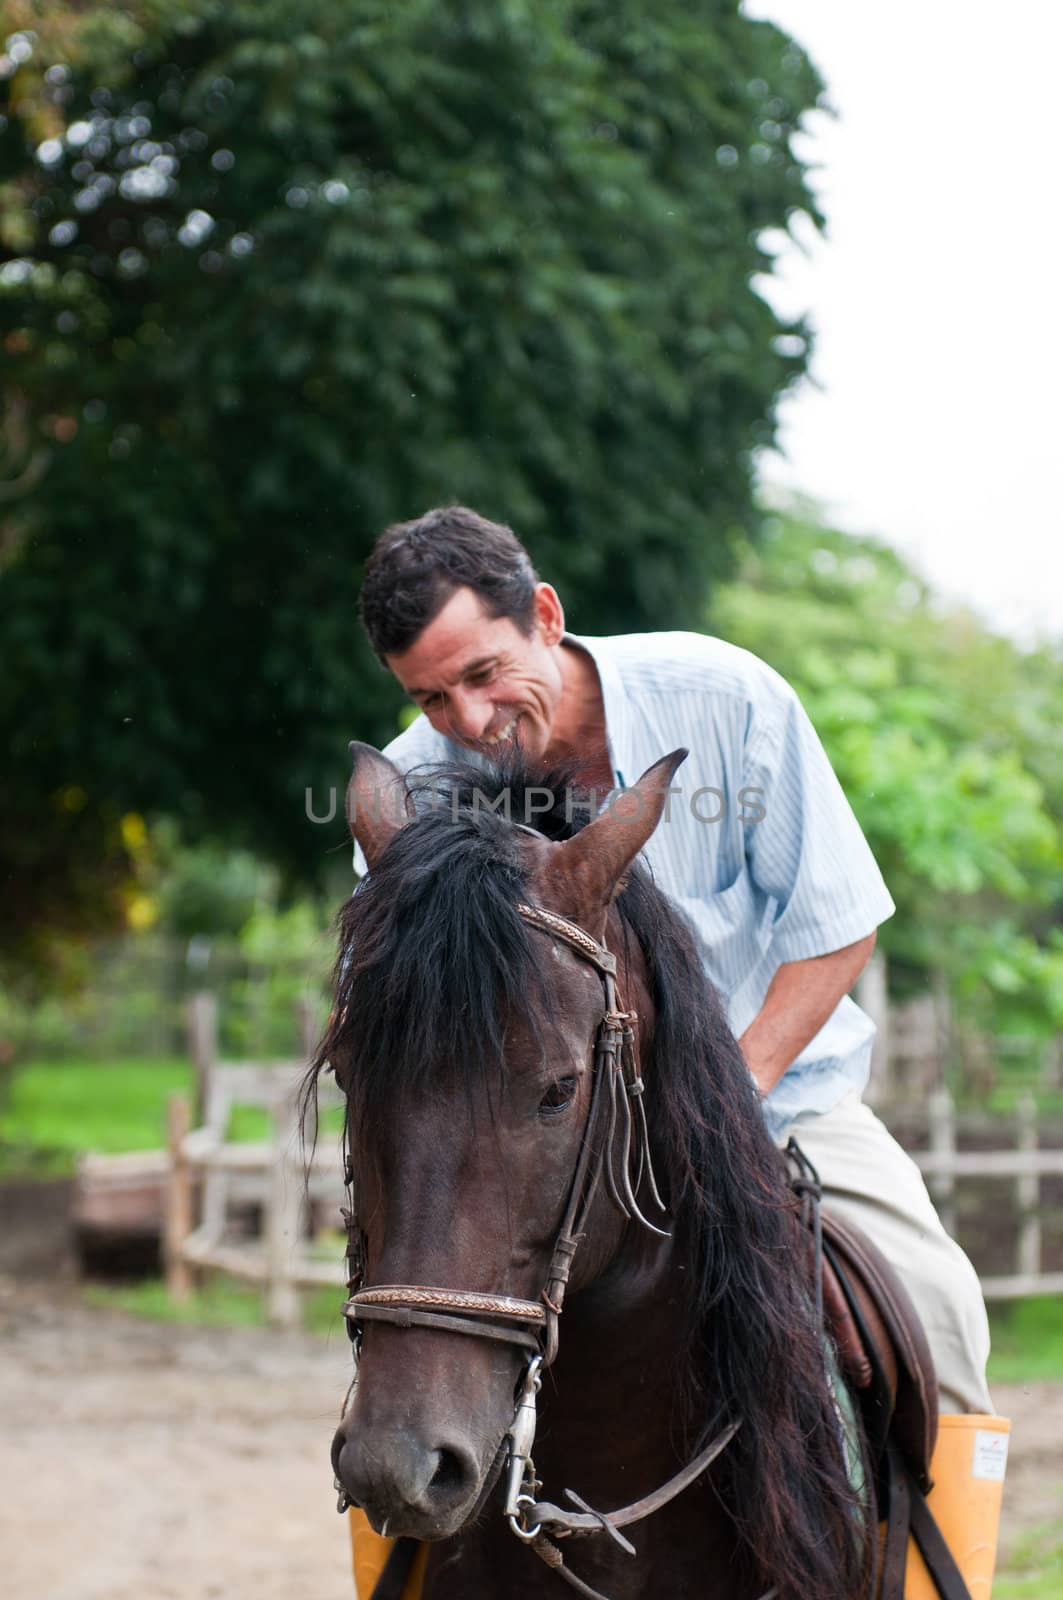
point(909, 1514)
point(397, 1569)
point(604, 1521)
point(408, 1317)
point(939, 1559)
point(898, 1523)
point(570, 933)
point(456, 1300)
point(451, 1310)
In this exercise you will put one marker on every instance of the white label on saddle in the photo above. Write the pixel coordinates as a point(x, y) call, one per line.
point(990, 1455)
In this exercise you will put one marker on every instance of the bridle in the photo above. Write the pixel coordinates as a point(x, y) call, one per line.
point(615, 1148)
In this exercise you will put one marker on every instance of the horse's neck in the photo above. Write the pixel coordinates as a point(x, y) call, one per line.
point(611, 1429)
point(617, 1379)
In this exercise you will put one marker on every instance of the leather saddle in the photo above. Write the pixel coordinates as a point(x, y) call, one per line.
point(881, 1346)
point(885, 1358)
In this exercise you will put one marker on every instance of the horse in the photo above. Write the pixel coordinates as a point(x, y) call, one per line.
point(540, 1247)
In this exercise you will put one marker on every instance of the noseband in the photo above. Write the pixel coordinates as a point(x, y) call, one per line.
point(615, 1146)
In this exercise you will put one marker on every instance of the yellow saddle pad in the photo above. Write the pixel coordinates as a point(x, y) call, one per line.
point(370, 1552)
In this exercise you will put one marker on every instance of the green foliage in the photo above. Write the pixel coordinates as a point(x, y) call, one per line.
point(286, 952)
point(206, 890)
point(1027, 1341)
point(282, 273)
point(944, 737)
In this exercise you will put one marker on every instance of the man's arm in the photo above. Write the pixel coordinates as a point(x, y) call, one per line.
point(800, 998)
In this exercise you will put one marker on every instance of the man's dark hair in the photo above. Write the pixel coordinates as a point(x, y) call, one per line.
point(415, 567)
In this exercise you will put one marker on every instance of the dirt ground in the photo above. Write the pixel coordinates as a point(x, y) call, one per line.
point(148, 1462)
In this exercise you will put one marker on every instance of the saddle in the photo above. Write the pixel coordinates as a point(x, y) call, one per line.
point(884, 1357)
point(881, 1345)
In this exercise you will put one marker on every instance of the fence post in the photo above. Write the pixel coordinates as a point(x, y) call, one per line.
point(943, 1143)
point(202, 1043)
point(177, 1222)
point(944, 1031)
point(1052, 1075)
point(307, 1025)
point(1028, 1191)
point(284, 1217)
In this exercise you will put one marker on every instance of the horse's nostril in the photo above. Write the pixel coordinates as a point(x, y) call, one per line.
point(449, 1473)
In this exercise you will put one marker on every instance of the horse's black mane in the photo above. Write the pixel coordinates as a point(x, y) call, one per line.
point(434, 957)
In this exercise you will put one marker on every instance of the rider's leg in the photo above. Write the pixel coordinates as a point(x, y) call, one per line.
point(867, 1177)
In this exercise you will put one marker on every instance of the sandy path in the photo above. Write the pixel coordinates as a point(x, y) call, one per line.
point(145, 1462)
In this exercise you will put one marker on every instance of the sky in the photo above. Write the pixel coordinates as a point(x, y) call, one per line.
point(933, 417)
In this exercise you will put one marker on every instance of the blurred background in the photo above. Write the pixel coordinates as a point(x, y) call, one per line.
point(739, 316)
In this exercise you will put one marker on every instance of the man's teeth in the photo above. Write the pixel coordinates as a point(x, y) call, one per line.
point(503, 733)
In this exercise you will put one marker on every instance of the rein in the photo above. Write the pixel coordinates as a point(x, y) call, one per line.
point(616, 1116)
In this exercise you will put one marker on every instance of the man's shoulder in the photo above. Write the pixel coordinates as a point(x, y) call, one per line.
point(695, 663)
point(420, 745)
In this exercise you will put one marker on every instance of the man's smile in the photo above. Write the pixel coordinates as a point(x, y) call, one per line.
point(501, 735)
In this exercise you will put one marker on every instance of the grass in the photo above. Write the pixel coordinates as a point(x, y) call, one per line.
point(218, 1303)
point(1027, 1342)
point(1034, 1569)
point(59, 1109)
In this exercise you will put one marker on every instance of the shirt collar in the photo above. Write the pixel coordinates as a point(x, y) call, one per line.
point(615, 703)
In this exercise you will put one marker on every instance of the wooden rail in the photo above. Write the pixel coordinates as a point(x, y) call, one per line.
point(272, 1173)
point(942, 1164)
point(276, 1174)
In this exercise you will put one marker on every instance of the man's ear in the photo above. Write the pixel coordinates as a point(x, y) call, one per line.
point(549, 613)
point(581, 875)
point(378, 805)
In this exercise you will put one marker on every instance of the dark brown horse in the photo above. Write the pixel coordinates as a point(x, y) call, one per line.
point(464, 1035)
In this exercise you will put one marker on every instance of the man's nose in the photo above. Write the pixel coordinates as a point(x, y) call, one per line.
point(469, 714)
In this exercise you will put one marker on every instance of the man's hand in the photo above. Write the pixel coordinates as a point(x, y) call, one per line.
point(800, 998)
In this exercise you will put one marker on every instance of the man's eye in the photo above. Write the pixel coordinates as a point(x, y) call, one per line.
point(558, 1097)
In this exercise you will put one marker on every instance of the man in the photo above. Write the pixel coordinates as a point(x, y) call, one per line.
point(759, 847)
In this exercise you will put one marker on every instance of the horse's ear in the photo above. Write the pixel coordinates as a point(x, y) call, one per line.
point(377, 802)
point(583, 874)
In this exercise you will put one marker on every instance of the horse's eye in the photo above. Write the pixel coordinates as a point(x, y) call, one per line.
point(559, 1095)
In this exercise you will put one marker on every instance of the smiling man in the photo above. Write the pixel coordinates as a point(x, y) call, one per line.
point(759, 848)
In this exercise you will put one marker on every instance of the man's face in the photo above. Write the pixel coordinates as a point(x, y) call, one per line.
point(482, 682)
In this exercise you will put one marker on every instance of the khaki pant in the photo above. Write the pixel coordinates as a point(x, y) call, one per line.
point(867, 1177)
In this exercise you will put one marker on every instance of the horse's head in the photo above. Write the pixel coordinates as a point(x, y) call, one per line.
point(464, 1039)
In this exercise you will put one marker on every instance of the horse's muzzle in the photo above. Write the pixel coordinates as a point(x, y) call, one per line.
point(406, 1486)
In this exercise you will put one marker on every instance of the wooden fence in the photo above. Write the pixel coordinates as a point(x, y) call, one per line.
point(273, 1175)
point(283, 1181)
point(1024, 1166)
point(218, 1178)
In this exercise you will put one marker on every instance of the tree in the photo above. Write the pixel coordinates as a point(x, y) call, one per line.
point(281, 273)
point(943, 735)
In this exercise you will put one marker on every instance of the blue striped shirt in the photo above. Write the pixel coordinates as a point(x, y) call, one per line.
point(760, 848)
